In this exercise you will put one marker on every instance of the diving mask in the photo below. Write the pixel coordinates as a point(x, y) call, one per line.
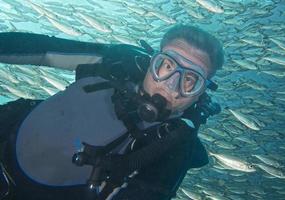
point(192, 80)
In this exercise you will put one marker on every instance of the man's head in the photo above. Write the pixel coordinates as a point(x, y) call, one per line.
point(188, 57)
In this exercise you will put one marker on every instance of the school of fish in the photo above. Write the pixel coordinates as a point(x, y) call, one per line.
point(245, 142)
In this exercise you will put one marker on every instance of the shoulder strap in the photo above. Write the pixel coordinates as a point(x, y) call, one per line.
point(97, 86)
point(88, 70)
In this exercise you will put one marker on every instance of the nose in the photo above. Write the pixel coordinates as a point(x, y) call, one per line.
point(173, 82)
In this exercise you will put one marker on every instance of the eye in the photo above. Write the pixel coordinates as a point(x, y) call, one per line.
point(189, 77)
point(167, 65)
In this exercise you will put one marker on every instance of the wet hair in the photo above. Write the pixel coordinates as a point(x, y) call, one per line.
point(200, 39)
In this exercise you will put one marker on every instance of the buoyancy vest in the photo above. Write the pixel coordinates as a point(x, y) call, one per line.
point(55, 129)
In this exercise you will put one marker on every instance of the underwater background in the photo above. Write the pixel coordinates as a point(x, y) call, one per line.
point(245, 141)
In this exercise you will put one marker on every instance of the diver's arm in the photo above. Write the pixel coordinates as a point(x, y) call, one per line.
point(163, 163)
point(43, 50)
point(120, 62)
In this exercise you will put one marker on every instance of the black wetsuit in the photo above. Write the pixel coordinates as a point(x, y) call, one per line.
point(158, 181)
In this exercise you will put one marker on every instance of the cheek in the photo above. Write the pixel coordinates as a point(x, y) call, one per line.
point(149, 83)
point(183, 104)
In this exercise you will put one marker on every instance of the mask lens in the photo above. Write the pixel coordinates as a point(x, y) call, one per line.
point(192, 83)
point(164, 67)
point(189, 82)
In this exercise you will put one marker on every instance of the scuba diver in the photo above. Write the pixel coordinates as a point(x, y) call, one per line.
point(127, 128)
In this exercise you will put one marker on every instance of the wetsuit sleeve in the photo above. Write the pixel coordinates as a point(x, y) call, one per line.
point(199, 156)
point(121, 62)
point(161, 179)
point(43, 50)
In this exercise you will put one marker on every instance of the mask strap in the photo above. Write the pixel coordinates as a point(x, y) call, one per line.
point(211, 85)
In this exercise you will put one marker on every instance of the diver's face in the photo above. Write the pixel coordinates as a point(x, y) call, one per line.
point(175, 102)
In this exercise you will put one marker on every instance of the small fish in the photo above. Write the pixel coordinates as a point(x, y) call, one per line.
point(246, 121)
point(27, 79)
point(278, 42)
point(263, 102)
point(225, 145)
point(233, 163)
point(64, 28)
point(135, 9)
point(246, 64)
point(100, 26)
point(219, 132)
point(276, 50)
point(29, 70)
point(206, 137)
point(19, 93)
point(191, 195)
point(265, 159)
point(272, 171)
point(277, 60)
point(256, 86)
point(7, 75)
point(125, 39)
point(42, 11)
point(55, 82)
point(162, 16)
point(50, 91)
point(253, 42)
point(211, 5)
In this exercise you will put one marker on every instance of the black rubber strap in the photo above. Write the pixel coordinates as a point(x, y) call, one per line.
point(97, 86)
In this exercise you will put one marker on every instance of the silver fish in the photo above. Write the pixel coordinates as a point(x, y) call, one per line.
point(233, 162)
point(19, 93)
point(95, 23)
point(245, 120)
point(191, 195)
point(278, 42)
point(277, 60)
point(272, 171)
point(267, 160)
point(162, 16)
point(64, 28)
point(211, 5)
